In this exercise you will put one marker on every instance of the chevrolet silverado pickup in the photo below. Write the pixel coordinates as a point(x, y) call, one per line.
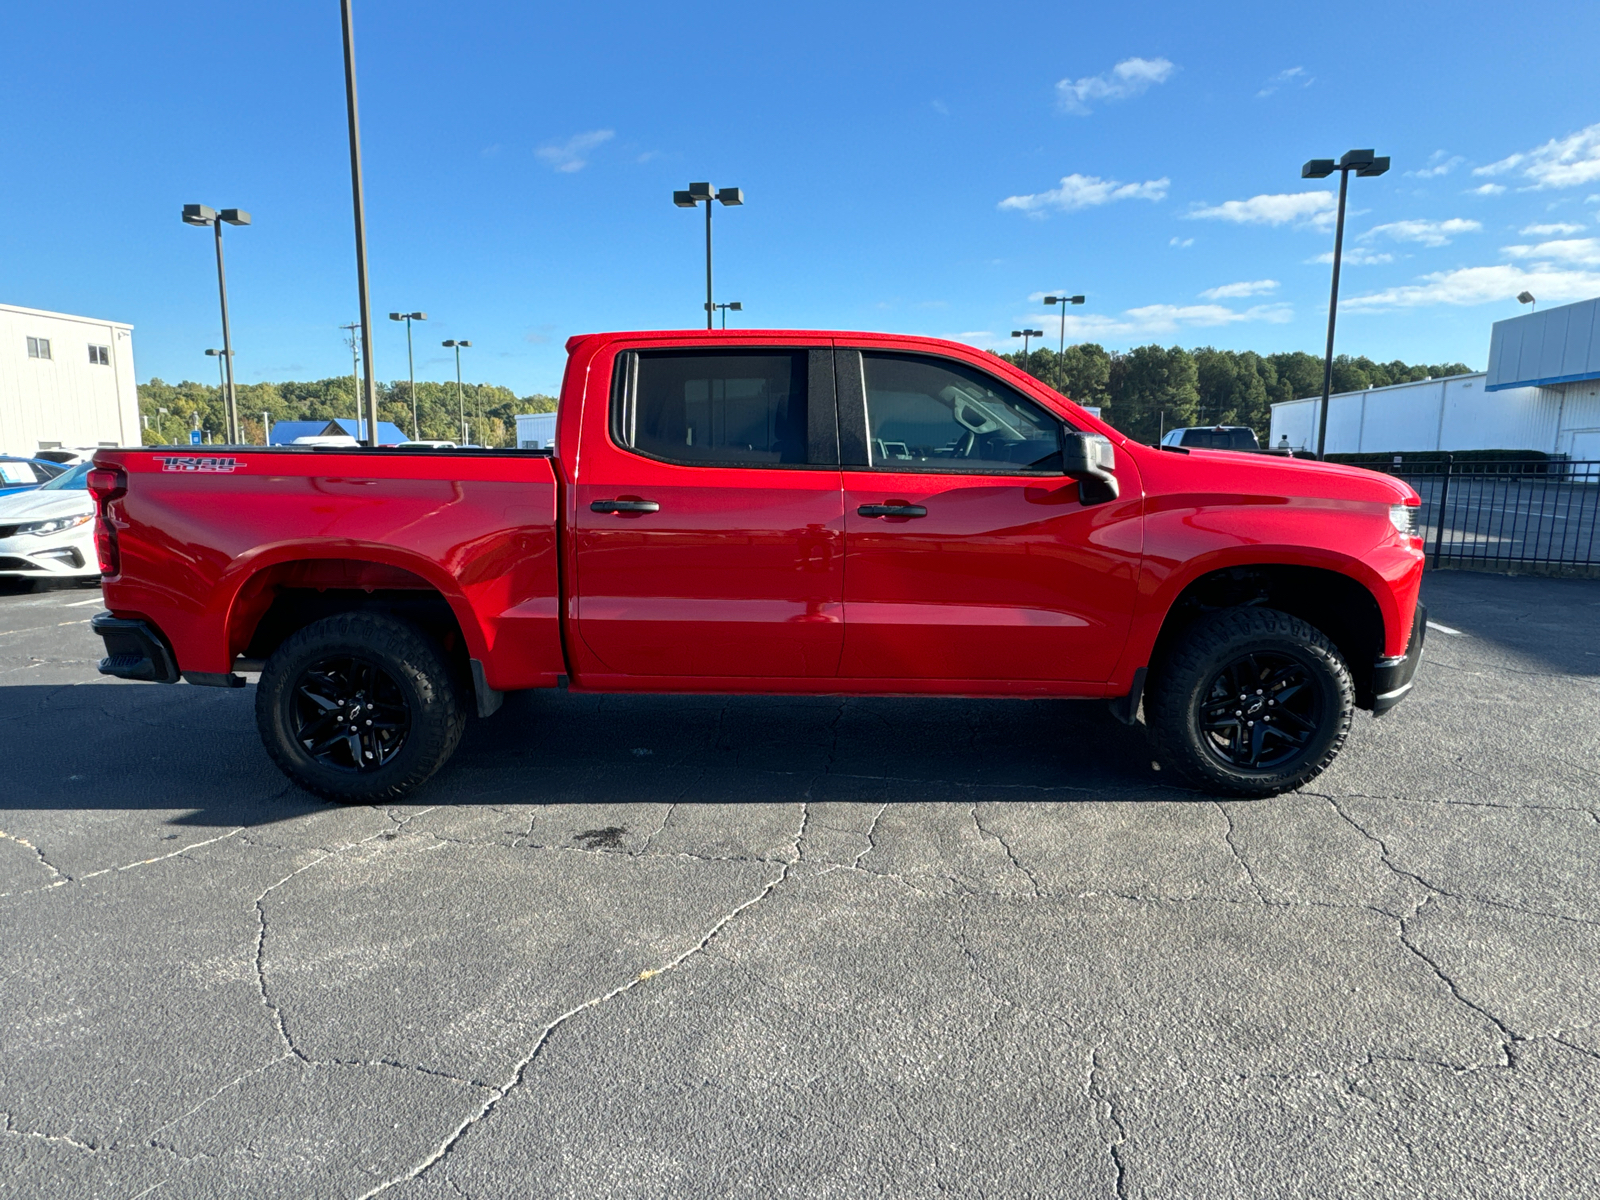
point(768, 512)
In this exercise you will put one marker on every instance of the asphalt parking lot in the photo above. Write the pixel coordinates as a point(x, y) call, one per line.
point(705, 947)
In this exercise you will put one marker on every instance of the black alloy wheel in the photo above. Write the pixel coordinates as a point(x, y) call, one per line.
point(350, 714)
point(361, 708)
point(1261, 711)
point(1249, 701)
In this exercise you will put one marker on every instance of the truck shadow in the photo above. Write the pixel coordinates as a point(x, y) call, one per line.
point(1553, 622)
point(194, 752)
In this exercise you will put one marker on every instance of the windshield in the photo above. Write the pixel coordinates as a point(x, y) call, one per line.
point(75, 480)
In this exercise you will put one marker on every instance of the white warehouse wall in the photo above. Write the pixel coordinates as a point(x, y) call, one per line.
point(66, 398)
point(1455, 413)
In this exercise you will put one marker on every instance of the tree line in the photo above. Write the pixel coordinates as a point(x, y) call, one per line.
point(1141, 392)
point(168, 411)
point(1152, 388)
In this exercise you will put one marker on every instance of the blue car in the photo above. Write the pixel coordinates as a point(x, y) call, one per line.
point(25, 474)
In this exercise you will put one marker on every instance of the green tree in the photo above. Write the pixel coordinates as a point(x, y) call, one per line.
point(1152, 387)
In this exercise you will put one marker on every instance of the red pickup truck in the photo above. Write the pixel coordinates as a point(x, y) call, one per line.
point(775, 512)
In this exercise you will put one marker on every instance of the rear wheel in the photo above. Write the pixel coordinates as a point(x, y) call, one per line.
point(1251, 702)
point(359, 708)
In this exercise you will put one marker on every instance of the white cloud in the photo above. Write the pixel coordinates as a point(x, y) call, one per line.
point(1158, 320)
point(1236, 291)
point(1481, 285)
point(1130, 77)
point(1086, 191)
point(572, 154)
point(1553, 230)
point(1313, 208)
point(1560, 162)
point(1485, 189)
point(1181, 242)
point(1439, 163)
point(1585, 251)
point(1426, 233)
point(1282, 78)
point(1355, 256)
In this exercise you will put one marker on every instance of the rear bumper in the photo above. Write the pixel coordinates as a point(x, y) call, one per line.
point(134, 650)
point(1392, 677)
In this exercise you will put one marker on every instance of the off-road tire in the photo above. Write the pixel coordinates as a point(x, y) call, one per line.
point(1182, 687)
point(418, 672)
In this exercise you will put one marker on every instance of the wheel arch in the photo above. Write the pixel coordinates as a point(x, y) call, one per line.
point(1341, 606)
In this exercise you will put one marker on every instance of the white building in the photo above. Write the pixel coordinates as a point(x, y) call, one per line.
point(536, 431)
point(65, 381)
point(1541, 392)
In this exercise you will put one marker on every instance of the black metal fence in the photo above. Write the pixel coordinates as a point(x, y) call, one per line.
point(1502, 514)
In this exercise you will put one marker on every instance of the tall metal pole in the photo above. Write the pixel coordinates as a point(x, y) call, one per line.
point(229, 404)
point(411, 370)
point(1062, 350)
point(369, 391)
point(710, 312)
point(461, 404)
point(355, 366)
point(1333, 313)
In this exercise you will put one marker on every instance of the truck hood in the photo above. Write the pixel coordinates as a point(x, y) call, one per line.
point(1262, 474)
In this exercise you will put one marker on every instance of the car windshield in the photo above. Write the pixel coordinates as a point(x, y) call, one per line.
point(75, 480)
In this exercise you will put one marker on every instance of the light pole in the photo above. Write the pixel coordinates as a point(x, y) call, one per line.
point(266, 429)
point(1362, 162)
point(222, 383)
point(703, 193)
point(200, 214)
point(735, 306)
point(370, 391)
point(1527, 298)
point(461, 405)
point(1025, 334)
point(1063, 301)
point(411, 367)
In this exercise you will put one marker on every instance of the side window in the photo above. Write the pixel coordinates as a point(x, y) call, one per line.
point(38, 347)
point(100, 355)
point(940, 415)
point(721, 408)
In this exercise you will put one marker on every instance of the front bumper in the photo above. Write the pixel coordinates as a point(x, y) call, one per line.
point(134, 650)
point(1392, 677)
point(65, 554)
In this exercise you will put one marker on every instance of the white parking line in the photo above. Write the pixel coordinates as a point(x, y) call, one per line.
point(82, 603)
point(1447, 629)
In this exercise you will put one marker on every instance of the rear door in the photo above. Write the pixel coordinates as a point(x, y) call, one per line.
point(709, 516)
point(968, 554)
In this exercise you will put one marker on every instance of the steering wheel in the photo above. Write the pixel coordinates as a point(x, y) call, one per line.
point(964, 445)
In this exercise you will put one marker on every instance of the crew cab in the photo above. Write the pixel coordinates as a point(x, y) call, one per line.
point(768, 512)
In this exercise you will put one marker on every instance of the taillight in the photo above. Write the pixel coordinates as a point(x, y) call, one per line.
point(105, 485)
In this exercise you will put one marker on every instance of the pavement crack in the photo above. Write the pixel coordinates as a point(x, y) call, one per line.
point(1016, 862)
point(871, 835)
point(520, 1069)
point(1244, 863)
point(9, 1129)
point(1115, 1146)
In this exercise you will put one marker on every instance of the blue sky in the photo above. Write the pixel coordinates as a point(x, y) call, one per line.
point(921, 168)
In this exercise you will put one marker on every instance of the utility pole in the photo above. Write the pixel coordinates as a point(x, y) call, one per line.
point(355, 365)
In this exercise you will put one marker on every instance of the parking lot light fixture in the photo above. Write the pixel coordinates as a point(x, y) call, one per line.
point(222, 383)
point(1025, 334)
point(411, 367)
point(1527, 298)
point(202, 215)
point(703, 193)
point(1063, 301)
point(461, 404)
point(735, 306)
point(1366, 164)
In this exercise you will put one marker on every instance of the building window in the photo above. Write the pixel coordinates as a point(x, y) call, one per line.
point(100, 355)
point(38, 347)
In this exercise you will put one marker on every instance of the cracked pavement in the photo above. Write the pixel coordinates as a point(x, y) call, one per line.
point(704, 946)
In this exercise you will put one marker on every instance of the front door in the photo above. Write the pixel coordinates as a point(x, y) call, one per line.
point(968, 555)
point(709, 523)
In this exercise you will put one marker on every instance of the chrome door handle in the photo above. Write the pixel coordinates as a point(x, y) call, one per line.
point(892, 510)
point(624, 506)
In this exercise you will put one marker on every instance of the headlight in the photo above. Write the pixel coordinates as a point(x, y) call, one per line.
point(1404, 518)
point(56, 526)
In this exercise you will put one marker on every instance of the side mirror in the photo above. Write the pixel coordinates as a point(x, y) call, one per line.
point(1090, 458)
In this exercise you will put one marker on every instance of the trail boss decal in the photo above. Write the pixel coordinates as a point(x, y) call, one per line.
point(213, 464)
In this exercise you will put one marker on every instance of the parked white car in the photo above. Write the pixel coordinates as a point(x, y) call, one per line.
point(48, 531)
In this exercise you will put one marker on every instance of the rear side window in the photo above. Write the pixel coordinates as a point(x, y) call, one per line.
point(936, 414)
point(724, 408)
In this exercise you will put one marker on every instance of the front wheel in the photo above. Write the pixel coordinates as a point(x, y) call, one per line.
point(359, 708)
point(1250, 702)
